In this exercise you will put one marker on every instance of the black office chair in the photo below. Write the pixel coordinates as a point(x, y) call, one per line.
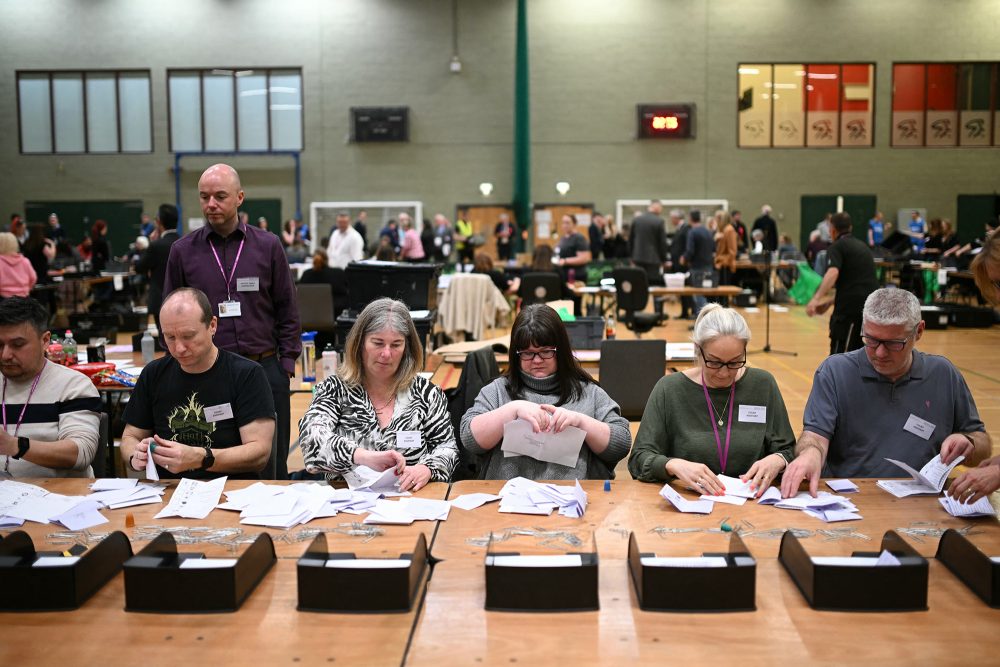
point(100, 462)
point(629, 370)
point(540, 287)
point(316, 312)
point(632, 295)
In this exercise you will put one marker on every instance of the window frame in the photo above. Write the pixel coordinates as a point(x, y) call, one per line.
point(234, 73)
point(83, 73)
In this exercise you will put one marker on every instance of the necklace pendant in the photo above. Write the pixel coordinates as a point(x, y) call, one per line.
point(720, 422)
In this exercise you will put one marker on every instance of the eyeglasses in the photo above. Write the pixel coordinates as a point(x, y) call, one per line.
point(714, 364)
point(528, 355)
point(890, 345)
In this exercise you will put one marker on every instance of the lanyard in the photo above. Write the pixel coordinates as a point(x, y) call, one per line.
point(3, 401)
point(723, 455)
point(218, 261)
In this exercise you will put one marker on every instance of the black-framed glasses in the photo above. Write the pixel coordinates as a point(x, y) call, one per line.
point(872, 343)
point(715, 364)
point(528, 355)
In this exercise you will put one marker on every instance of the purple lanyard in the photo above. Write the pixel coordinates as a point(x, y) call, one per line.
point(3, 401)
point(218, 261)
point(723, 455)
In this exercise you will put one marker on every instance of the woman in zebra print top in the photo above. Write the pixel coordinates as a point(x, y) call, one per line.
point(377, 411)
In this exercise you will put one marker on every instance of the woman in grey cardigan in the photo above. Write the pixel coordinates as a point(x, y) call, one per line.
point(545, 385)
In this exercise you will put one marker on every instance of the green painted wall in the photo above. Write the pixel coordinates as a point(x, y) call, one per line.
point(592, 61)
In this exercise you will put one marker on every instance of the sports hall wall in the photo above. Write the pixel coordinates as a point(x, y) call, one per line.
point(592, 61)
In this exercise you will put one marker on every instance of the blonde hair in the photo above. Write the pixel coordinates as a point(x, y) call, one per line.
point(989, 255)
point(714, 322)
point(9, 244)
point(377, 316)
point(723, 219)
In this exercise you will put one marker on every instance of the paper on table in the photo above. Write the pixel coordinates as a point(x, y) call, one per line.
point(207, 563)
point(193, 499)
point(981, 507)
point(363, 478)
point(389, 511)
point(681, 561)
point(368, 563)
point(112, 484)
point(82, 516)
point(55, 561)
point(562, 448)
point(770, 497)
point(842, 485)
point(684, 505)
point(729, 500)
point(10, 522)
point(929, 480)
point(423, 509)
point(470, 501)
point(564, 560)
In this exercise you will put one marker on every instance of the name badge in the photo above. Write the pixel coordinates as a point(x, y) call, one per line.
point(753, 414)
point(919, 427)
point(229, 309)
point(438, 241)
point(216, 413)
point(248, 284)
point(408, 440)
point(707, 282)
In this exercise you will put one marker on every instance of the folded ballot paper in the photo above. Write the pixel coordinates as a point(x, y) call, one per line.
point(523, 496)
point(825, 507)
point(563, 448)
point(981, 507)
point(193, 499)
point(363, 478)
point(284, 506)
point(683, 504)
point(737, 491)
point(928, 481)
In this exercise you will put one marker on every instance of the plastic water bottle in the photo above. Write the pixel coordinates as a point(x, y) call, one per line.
point(329, 362)
point(609, 327)
point(55, 353)
point(308, 356)
point(70, 349)
point(148, 347)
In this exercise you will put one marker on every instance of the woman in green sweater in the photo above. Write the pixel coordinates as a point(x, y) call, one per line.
point(717, 417)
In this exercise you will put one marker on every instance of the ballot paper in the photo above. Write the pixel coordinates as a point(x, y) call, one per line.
point(885, 559)
point(83, 515)
point(152, 474)
point(736, 491)
point(928, 481)
point(32, 503)
point(825, 506)
point(424, 509)
point(563, 448)
point(55, 561)
point(562, 560)
point(113, 484)
point(207, 563)
point(728, 500)
point(842, 485)
point(470, 501)
point(368, 563)
point(684, 505)
point(138, 494)
point(524, 496)
point(363, 478)
point(981, 507)
point(193, 499)
point(389, 512)
point(682, 561)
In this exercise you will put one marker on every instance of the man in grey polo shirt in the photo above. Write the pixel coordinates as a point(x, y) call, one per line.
point(885, 400)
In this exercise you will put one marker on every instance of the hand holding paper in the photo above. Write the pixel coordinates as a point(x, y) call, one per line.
point(563, 448)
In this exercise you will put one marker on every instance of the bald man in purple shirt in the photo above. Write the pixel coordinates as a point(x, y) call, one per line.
point(245, 274)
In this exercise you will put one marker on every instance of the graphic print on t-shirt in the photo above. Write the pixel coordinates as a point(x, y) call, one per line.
point(188, 425)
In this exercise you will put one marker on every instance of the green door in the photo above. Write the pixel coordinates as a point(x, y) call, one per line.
point(813, 209)
point(974, 211)
point(266, 208)
point(77, 217)
point(861, 208)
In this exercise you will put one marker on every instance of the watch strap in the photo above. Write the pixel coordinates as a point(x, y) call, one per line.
point(23, 444)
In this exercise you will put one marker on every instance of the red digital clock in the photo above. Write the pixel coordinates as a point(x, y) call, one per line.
point(666, 121)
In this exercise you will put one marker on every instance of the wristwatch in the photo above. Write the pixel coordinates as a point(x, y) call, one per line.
point(209, 459)
point(22, 447)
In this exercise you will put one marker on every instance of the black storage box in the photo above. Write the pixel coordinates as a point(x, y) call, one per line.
point(416, 285)
point(585, 333)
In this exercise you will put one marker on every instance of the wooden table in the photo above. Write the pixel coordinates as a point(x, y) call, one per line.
point(638, 507)
point(396, 540)
point(451, 627)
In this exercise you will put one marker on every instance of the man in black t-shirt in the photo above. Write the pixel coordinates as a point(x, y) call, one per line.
point(201, 412)
point(851, 269)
